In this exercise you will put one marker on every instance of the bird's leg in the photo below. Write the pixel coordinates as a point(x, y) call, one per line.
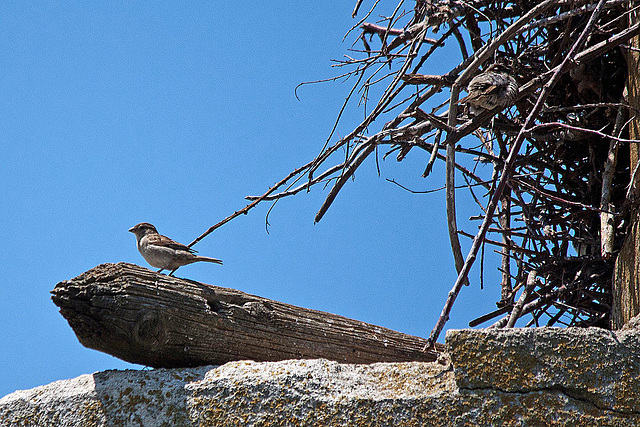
point(173, 271)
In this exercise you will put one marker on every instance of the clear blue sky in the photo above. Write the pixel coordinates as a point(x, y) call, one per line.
point(114, 113)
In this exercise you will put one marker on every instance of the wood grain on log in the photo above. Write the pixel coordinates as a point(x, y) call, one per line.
point(156, 320)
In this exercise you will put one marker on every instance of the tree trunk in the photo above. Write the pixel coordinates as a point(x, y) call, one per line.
point(626, 276)
point(156, 320)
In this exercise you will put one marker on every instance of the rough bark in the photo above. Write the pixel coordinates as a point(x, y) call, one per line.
point(626, 282)
point(156, 320)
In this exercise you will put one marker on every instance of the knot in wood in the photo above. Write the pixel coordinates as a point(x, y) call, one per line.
point(149, 329)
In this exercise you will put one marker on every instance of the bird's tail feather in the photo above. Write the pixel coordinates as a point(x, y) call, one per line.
point(207, 259)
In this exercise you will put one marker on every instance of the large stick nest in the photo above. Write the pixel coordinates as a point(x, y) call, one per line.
point(555, 187)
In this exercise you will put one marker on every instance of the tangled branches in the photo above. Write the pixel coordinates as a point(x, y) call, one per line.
point(558, 153)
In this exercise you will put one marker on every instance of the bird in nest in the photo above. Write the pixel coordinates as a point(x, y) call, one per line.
point(493, 88)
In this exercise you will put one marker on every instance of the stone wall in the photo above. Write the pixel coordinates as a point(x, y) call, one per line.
point(545, 376)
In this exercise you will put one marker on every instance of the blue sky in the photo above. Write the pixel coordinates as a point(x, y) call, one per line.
point(114, 113)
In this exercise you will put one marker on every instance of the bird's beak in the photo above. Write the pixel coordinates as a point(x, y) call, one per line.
point(131, 229)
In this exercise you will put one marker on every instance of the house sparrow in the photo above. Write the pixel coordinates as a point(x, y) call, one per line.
point(493, 88)
point(162, 252)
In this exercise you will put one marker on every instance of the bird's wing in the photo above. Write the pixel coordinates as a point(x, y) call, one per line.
point(484, 87)
point(490, 89)
point(477, 91)
point(160, 240)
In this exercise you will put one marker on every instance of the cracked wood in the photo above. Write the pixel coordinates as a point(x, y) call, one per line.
point(152, 319)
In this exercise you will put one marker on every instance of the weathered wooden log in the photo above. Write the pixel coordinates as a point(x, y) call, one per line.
point(156, 320)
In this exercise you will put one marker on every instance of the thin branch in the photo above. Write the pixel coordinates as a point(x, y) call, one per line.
point(583, 130)
point(606, 219)
point(251, 205)
point(517, 309)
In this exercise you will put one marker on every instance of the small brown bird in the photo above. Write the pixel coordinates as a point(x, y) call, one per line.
point(493, 88)
point(162, 252)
